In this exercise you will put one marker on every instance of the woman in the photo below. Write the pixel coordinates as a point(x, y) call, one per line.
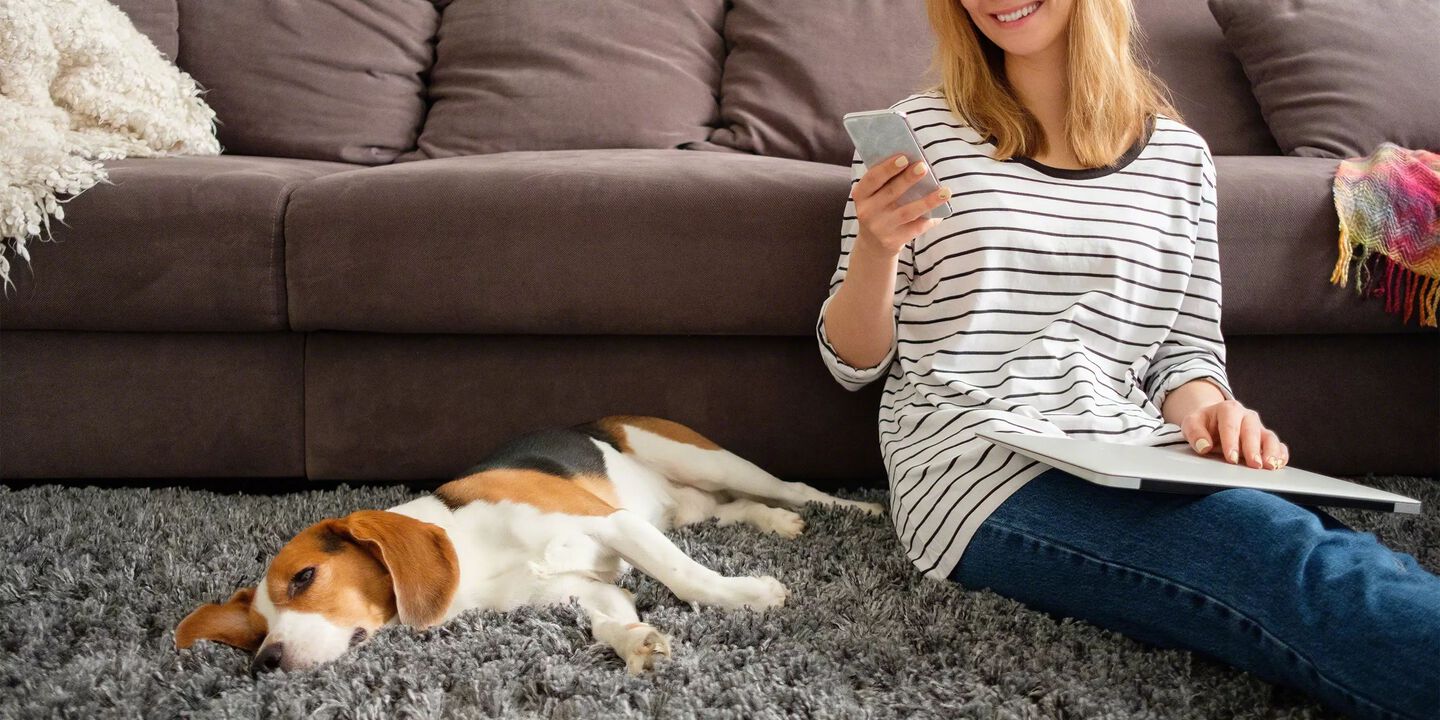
point(1076, 291)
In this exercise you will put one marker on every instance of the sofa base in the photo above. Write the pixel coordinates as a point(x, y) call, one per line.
point(117, 405)
point(360, 406)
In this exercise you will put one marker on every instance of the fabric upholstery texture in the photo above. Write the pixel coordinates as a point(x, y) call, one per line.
point(158, 20)
point(1336, 78)
point(373, 401)
point(481, 296)
point(560, 74)
point(169, 244)
point(649, 241)
point(582, 241)
point(321, 79)
point(1278, 248)
point(793, 69)
point(1188, 52)
point(108, 405)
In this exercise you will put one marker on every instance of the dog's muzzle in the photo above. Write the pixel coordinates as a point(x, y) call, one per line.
point(268, 659)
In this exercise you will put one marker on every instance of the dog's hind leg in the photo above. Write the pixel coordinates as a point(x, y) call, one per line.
point(693, 505)
point(645, 547)
point(613, 620)
point(688, 458)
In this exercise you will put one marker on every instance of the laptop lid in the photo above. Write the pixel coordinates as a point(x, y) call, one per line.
point(1180, 469)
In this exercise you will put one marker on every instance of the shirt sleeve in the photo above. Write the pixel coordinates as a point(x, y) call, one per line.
point(1195, 348)
point(851, 377)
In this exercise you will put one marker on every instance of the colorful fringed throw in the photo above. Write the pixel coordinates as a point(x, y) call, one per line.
point(1389, 207)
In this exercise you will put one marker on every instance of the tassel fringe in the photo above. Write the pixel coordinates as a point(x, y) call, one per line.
point(1405, 291)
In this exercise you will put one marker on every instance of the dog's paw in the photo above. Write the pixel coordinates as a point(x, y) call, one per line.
point(756, 593)
point(782, 522)
point(641, 646)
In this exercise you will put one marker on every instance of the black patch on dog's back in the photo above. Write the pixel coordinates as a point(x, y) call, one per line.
point(563, 452)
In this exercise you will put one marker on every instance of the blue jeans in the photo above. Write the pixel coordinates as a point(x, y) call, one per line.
point(1282, 591)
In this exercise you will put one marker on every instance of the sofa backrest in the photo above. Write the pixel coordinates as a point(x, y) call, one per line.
point(320, 79)
point(1188, 52)
point(353, 80)
point(158, 20)
point(573, 74)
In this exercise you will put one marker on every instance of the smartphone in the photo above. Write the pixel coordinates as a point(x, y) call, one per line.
point(882, 134)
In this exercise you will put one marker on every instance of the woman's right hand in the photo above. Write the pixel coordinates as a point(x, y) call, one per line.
point(886, 226)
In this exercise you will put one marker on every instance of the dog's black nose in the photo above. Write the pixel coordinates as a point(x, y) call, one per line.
point(268, 659)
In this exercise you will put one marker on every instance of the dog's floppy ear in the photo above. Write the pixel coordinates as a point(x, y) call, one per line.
point(231, 623)
point(419, 557)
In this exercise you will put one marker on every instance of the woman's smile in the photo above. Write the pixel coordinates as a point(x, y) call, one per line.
point(1016, 17)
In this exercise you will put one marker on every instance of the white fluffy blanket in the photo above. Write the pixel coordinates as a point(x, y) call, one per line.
point(79, 84)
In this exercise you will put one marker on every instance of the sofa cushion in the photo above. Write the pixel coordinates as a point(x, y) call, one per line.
point(793, 69)
point(185, 243)
point(574, 241)
point(1335, 78)
point(323, 79)
point(1279, 241)
point(1188, 52)
point(563, 74)
point(683, 242)
point(158, 20)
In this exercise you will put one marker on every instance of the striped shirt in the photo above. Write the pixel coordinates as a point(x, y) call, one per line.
point(1053, 302)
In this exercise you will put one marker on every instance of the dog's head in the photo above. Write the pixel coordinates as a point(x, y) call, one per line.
point(331, 587)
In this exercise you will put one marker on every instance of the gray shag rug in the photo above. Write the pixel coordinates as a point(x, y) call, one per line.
point(94, 580)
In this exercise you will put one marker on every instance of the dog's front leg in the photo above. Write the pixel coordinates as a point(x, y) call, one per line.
point(613, 620)
point(645, 547)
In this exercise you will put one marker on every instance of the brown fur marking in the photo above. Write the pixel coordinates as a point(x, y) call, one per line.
point(667, 429)
point(351, 588)
point(585, 495)
point(420, 563)
point(234, 623)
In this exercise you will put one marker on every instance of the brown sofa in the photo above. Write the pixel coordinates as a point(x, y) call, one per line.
point(443, 224)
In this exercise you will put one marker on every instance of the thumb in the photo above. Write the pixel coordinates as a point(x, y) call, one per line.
point(1196, 428)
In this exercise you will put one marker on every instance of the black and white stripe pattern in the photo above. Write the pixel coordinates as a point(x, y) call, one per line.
point(1053, 302)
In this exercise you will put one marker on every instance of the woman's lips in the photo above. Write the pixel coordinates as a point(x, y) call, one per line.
point(1017, 16)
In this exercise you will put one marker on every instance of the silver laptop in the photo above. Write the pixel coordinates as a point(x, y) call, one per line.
point(1180, 469)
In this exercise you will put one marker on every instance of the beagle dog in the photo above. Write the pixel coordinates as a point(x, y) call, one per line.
point(549, 517)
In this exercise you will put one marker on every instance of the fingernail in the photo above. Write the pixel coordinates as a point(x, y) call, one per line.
point(1234, 456)
point(920, 168)
point(1202, 446)
point(902, 161)
point(944, 193)
point(1274, 463)
point(1256, 459)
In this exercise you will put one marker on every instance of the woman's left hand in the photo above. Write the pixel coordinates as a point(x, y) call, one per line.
point(1238, 432)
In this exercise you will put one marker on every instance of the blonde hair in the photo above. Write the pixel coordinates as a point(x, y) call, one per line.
point(1111, 95)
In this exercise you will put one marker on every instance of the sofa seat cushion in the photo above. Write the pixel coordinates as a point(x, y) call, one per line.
point(685, 242)
point(1279, 240)
point(573, 241)
point(171, 244)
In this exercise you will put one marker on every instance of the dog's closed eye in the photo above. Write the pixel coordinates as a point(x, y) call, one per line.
point(301, 580)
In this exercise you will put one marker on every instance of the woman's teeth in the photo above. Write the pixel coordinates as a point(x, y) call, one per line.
point(1016, 15)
